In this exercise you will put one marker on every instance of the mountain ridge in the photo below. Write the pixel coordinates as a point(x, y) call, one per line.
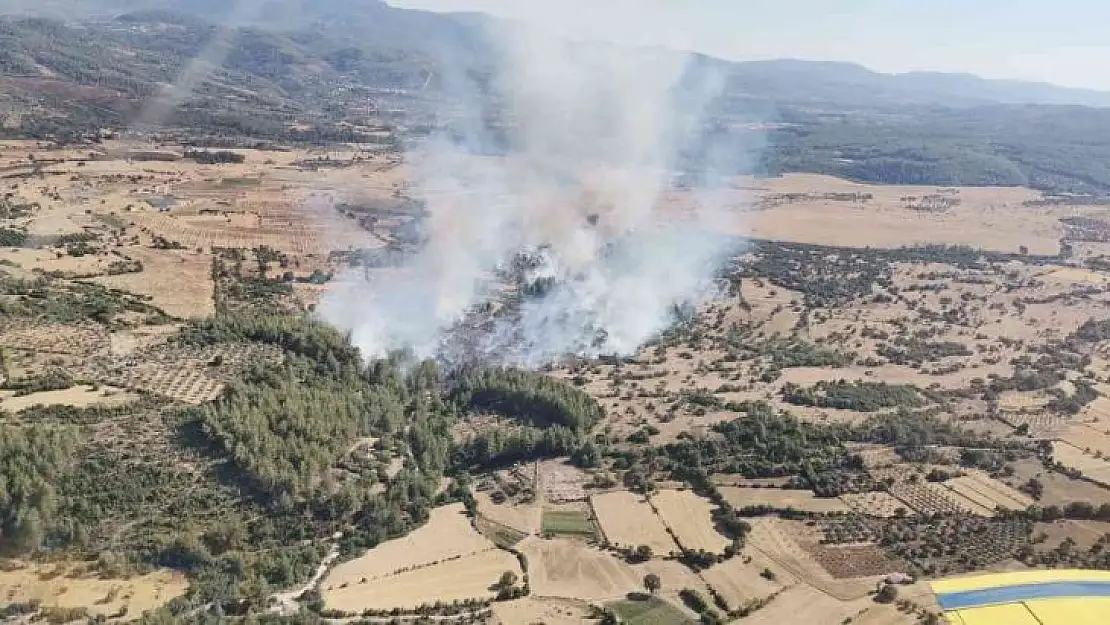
point(374, 22)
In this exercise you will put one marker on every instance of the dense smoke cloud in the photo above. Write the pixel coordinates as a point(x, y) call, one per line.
point(594, 135)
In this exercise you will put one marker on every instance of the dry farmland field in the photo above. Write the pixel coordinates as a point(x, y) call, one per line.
point(805, 501)
point(468, 577)
point(566, 568)
point(744, 579)
point(1092, 468)
point(447, 536)
point(690, 518)
point(627, 520)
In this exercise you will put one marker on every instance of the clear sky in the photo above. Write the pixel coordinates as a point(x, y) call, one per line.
point(1066, 42)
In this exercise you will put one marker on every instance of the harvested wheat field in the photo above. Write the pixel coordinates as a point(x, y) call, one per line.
point(565, 568)
point(469, 577)
point(1090, 438)
point(78, 397)
point(742, 579)
point(51, 585)
point(690, 517)
point(447, 534)
point(179, 282)
point(803, 603)
point(628, 521)
point(803, 500)
point(1092, 468)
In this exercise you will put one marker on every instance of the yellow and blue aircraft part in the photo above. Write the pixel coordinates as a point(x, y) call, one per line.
point(1036, 597)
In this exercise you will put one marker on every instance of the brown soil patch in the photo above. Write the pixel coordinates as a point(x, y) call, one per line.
point(983, 218)
point(805, 604)
point(1091, 439)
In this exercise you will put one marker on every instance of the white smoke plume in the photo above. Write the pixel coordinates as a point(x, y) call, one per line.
point(595, 136)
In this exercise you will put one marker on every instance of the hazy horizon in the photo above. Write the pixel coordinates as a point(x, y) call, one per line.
point(1062, 43)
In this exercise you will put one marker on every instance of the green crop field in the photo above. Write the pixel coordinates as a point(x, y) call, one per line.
point(571, 522)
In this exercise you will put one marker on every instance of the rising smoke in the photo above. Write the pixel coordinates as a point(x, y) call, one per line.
point(595, 136)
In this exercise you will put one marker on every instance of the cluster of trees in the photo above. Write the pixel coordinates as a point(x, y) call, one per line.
point(48, 300)
point(506, 445)
point(215, 157)
point(809, 355)
point(763, 443)
point(826, 276)
point(859, 395)
point(32, 460)
point(553, 417)
point(527, 396)
point(912, 351)
point(287, 428)
point(53, 379)
point(12, 238)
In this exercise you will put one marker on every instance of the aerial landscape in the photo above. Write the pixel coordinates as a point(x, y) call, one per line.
point(342, 313)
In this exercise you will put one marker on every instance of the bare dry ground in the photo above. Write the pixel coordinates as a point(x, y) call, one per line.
point(65, 586)
point(1059, 489)
point(777, 541)
point(1092, 439)
point(803, 603)
point(627, 520)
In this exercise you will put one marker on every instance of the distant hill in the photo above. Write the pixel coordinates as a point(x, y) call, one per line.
point(789, 80)
point(346, 70)
point(461, 38)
